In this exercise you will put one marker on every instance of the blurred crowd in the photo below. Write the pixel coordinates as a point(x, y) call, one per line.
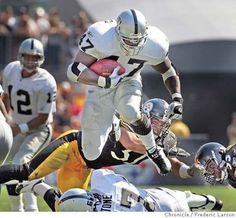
point(60, 40)
point(70, 101)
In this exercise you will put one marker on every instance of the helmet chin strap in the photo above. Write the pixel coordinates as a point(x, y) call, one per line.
point(30, 71)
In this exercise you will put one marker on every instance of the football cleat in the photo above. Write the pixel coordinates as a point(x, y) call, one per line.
point(27, 186)
point(177, 152)
point(158, 157)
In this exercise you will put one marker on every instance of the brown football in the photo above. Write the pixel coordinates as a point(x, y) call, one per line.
point(105, 67)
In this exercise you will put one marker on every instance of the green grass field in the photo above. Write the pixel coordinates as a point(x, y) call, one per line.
point(225, 193)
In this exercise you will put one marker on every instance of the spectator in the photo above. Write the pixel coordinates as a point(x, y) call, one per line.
point(7, 21)
point(57, 35)
point(41, 19)
point(25, 26)
point(11, 19)
point(80, 24)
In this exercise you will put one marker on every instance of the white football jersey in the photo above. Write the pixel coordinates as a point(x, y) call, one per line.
point(115, 193)
point(29, 96)
point(1, 90)
point(1, 114)
point(101, 41)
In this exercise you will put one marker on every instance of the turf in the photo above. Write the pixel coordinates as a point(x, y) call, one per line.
point(225, 193)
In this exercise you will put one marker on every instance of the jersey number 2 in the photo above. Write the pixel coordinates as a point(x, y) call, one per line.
point(21, 103)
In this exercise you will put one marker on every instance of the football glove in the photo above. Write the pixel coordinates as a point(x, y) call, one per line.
point(175, 110)
point(194, 171)
point(112, 81)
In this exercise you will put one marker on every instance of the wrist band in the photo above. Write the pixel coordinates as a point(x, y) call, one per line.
point(169, 73)
point(101, 81)
point(24, 128)
point(176, 95)
point(183, 171)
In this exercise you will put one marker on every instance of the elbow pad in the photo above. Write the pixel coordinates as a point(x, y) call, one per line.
point(169, 73)
point(74, 70)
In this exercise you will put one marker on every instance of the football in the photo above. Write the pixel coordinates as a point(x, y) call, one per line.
point(105, 67)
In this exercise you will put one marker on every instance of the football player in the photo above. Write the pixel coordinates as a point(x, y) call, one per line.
point(217, 163)
point(30, 93)
point(66, 153)
point(131, 42)
point(6, 137)
point(111, 192)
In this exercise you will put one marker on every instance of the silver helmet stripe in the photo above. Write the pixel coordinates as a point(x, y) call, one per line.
point(135, 21)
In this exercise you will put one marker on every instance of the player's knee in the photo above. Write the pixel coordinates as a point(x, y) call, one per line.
point(91, 152)
point(142, 126)
point(131, 114)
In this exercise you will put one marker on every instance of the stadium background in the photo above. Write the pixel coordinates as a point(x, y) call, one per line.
point(203, 49)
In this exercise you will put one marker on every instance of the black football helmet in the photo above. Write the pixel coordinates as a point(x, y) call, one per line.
point(210, 159)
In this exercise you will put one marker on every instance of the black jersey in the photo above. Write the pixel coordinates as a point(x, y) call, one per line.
point(113, 153)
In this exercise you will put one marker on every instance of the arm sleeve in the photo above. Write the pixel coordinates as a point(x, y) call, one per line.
point(47, 98)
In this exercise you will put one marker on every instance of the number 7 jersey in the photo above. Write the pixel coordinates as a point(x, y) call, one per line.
point(29, 96)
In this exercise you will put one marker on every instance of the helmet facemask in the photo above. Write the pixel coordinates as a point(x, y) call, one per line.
point(214, 172)
point(160, 126)
point(131, 31)
point(210, 159)
point(131, 45)
point(31, 62)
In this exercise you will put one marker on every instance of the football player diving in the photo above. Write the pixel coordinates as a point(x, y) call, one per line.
point(65, 154)
point(111, 192)
point(217, 163)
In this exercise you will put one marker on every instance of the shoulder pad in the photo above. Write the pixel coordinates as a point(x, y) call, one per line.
point(157, 45)
point(8, 70)
point(101, 33)
point(11, 65)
